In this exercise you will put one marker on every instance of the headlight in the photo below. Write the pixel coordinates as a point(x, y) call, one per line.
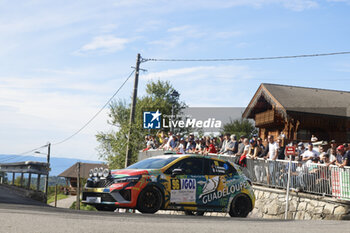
point(91, 173)
point(127, 179)
point(100, 172)
point(105, 173)
point(95, 171)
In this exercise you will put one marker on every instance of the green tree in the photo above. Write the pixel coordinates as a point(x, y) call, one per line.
point(240, 127)
point(113, 143)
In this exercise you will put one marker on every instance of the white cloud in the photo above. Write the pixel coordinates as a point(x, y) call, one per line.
point(300, 5)
point(295, 5)
point(107, 43)
point(207, 85)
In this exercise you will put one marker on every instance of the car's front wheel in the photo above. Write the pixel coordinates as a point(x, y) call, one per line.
point(240, 206)
point(150, 200)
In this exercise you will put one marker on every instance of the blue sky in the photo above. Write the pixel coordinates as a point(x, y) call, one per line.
point(61, 60)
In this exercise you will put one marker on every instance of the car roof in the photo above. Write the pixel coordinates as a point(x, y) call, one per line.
point(166, 156)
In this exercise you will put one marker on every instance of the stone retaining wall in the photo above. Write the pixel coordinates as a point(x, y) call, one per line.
point(270, 204)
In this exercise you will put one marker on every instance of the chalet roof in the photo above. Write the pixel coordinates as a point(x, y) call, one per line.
point(302, 99)
point(84, 170)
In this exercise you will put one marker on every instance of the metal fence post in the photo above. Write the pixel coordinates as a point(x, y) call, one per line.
point(288, 182)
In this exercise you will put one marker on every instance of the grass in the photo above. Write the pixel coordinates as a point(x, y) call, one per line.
point(83, 207)
point(60, 196)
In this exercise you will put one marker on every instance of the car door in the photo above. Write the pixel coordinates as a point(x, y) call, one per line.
point(183, 185)
point(213, 192)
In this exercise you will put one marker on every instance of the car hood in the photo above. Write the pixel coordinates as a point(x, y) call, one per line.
point(133, 172)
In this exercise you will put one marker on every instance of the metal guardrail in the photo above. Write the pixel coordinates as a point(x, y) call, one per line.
point(306, 177)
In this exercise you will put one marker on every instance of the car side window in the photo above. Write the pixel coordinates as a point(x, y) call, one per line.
point(190, 166)
point(215, 167)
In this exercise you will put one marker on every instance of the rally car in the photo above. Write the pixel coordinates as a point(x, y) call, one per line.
point(191, 183)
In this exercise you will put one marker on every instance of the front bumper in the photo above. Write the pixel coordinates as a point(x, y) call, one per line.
point(106, 196)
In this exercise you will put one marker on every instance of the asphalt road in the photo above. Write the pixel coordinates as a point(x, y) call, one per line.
point(27, 218)
point(18, 214)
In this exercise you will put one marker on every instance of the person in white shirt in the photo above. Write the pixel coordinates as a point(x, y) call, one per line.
point(313, 138)
point(309, 154)
point(273, 147)
point(272, 156)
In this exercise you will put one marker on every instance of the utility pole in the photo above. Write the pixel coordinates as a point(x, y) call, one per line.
point(77, 202)
point(132, 112)
point(48, 167)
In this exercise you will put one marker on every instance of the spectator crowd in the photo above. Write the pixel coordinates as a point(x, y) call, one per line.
point(270, 149)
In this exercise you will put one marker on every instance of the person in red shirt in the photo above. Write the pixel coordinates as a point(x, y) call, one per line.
point(211, 147)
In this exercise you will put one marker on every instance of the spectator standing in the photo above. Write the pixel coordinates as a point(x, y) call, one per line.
point(272, 156)
point(224, 143)
point(262, 148)
point(254, 149)
point(181, 147)
point(221, 141)
point(273, 148)
point(333, 155)
point(309, 154)
point(333, 146)
point(232, 145)
point(164, 145)
point(173, 143)
point(191, 145)
point(211, 147)
point(280, 150)
point(282, 137)
point(170, 139)
point(300, 150)
point(243, 158)
point(313, 138)
point(343, 157)
point(241, 145)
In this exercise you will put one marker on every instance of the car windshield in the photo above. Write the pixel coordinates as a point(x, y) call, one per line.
point(152, 163)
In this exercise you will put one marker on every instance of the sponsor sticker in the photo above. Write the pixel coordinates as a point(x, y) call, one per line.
point(183, 190)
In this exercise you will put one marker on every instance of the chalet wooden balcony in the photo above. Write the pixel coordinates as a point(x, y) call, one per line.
point(265, 118)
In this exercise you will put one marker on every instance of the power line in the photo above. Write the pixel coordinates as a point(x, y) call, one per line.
point(244, 59)
point(15, 157)
point(87, 123)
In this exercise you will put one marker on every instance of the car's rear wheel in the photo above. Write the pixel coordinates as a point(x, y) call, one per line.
point(240, 206)
point(150, 200)
point(196, 213)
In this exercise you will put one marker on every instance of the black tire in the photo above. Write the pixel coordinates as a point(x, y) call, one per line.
point(240, 206)
point(194, 213)
point(105, 208)
point(150, 200)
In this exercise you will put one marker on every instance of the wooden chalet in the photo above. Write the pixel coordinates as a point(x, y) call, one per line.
point(300, 112)
point(71, 174)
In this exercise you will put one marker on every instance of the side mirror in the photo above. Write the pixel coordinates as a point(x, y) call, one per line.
point(177, 171)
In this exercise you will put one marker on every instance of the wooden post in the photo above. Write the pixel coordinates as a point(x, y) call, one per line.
point(56, 195)
point(38, 183)
point(77, 203)
point(29, 180)
point(132, 112)
point(13, 178)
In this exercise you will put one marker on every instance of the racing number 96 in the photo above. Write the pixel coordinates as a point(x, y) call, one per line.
point(175, 184)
